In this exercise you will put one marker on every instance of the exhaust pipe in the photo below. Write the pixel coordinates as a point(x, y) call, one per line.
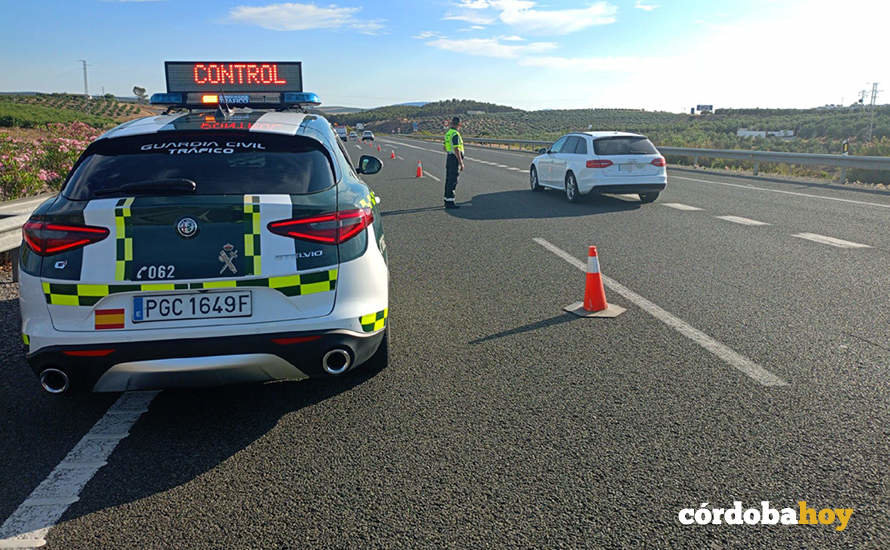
point(54, 380)
point(336, 361)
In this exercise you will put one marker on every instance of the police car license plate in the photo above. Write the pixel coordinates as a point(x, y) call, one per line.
point(208, 305)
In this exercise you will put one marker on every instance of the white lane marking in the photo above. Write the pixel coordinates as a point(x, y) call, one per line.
point(732, 358)
point(28, 526)
point(358, 146)
point(753, 188)
point(427, 174)
point(516, 169)
point(399, 157)
point(680, 206)
point(415, 147)
point(740, 220)
point(840, 243)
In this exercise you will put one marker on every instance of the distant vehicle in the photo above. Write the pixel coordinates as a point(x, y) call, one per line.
point(353, 135)
point(600, 162)
point(189, 251)
point(367, 135)
point(341, 131)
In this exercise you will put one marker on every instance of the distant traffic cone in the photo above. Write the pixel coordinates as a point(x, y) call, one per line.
point(594, 304)
point(392, 155)
point(378, 148)
point(419, 169)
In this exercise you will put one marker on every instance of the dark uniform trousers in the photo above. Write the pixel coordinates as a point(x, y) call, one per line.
point(451, 173)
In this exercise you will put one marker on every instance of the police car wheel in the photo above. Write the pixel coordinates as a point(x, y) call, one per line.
point(572, 193)
point(533, 179)
point(648, 197)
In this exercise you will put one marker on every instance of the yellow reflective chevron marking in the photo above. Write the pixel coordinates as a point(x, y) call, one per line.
point(373, 321)
point(289, 280)
point(252, 232)
point(159, 286)
point(219, 284)
point(92, 290)
point(67, 294)
point(123, 241)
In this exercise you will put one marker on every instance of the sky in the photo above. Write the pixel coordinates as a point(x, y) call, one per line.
point(650, 54)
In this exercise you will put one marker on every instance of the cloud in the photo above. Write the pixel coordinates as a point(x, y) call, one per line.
point(624, 64)
point(645, 7)
point(524, 15)
point(474, 18)
point(300, 17)
point(424, 35)
point(521, 14)
point(474, 4)
point(490, 47)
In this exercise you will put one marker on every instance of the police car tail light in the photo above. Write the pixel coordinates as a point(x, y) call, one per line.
point(51, 238)
point(659, 162)
point(599, 163)
point(333, 228)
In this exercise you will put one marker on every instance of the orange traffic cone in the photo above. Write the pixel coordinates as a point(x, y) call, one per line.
point(594, 304)
point(378, 148)
point(419, 169)
point(392, 155)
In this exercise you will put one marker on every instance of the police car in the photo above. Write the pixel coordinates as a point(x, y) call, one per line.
point(231, 240)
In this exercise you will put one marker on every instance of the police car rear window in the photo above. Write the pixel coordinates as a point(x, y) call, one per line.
point(234, 163)
point(624, 146)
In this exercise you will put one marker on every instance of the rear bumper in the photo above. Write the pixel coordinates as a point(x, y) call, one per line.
point(628, 188)
point(203, 361)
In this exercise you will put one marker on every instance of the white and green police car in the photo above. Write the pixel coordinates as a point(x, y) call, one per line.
point(209, 245)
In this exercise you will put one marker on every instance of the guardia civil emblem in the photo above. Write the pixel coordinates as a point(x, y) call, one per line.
point(227, 256)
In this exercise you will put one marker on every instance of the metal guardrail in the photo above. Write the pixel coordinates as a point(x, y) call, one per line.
point(13, 215)
point(807, 159)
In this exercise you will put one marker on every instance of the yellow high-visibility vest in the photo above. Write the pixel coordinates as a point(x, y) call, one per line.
point(449, 136)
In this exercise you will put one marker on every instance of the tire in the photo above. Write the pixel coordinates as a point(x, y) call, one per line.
point(648, 197)
point(572, 193)
point(533, 179)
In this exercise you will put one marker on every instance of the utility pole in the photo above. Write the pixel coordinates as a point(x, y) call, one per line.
point(86, 90)
point(871, 105)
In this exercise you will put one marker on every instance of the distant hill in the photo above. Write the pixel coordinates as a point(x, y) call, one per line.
point(337, 110)
point(420, 110)
point(34, 110)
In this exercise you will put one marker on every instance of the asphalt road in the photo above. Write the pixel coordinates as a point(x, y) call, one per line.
point(504, 422)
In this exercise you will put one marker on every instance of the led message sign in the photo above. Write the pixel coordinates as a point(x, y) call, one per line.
point(233, 76)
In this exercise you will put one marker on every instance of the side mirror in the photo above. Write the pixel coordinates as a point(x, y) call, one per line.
point(368, 165)
point(542, 151)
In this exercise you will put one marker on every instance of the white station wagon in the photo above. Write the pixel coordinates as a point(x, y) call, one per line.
point(600, 162)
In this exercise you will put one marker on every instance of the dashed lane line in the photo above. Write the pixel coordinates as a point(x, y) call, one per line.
point(28, 526)
point(680, 206)
point(740, 220)
point(831, 241)
point(808, 195)
point(729, 356)
point(427, 174)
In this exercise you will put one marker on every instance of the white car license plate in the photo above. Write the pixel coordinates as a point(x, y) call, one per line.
point(629, 167)
point(207, 305)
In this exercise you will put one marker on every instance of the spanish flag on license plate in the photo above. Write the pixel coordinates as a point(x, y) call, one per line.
point(109, 318)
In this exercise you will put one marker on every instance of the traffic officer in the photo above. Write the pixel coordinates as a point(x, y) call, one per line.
point(454, 161)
